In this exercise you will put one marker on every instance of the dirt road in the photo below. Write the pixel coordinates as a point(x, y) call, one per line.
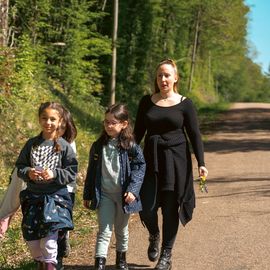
point(230, 228)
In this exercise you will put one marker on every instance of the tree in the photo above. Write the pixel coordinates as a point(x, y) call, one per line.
point(65, 37)
point(4, 6)
point(114, 51)
point(194, 49)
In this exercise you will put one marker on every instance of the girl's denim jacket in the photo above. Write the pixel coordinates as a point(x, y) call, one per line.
point(132, 170)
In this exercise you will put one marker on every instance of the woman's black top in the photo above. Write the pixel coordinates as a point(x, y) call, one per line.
point(166, 150)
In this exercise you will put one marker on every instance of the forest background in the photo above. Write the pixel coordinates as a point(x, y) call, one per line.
point(61, 50)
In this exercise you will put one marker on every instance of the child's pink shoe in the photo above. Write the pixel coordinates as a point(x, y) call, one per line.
point(4, 223)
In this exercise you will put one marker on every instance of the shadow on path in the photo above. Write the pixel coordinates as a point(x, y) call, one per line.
point(245, 145)
point(237, 120)
point(235, 123)
point(109, 267)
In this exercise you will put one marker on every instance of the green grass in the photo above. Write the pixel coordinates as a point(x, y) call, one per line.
point(23, 266)
point(12, 248)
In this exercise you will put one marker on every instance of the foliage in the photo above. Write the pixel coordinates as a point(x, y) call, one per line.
point(28, 67)
point(69, 42)
point(65, 33)
point(7, 65)
point(152, 30)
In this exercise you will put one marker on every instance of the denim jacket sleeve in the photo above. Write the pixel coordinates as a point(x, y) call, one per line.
point(137, 170)
point(90, 180)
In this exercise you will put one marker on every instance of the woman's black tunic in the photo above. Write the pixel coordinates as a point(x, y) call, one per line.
point(166, 150)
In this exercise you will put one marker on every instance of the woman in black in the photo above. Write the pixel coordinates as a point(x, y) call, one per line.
point(169, 120)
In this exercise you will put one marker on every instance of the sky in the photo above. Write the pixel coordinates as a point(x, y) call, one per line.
point(259, 31)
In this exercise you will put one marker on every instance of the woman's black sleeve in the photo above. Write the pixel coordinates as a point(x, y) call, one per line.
point(139, 127)
point(192, 128)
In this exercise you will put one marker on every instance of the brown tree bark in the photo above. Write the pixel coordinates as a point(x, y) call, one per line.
point(194, 51)
point(4, 22)
point(114, 51)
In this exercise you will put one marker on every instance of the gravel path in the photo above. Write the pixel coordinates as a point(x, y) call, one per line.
point(230, 227)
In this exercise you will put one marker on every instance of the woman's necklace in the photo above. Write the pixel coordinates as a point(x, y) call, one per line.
point(166, 98)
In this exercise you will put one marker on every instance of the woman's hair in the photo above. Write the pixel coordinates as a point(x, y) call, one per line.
point(68, 125)
point(166, 62)
point(60, 109)
point(125, 138)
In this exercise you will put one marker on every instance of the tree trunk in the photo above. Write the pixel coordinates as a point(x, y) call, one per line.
point(195, 44)
point(4, 22)
point(114, 51)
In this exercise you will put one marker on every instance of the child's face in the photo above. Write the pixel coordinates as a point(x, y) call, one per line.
point(112, 126)
point(49, 121)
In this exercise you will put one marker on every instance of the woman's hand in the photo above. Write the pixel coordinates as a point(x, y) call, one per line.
point(203, 171)
point(129, 197)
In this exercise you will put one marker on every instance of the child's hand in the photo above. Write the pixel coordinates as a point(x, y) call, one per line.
point(47, 174)
point(129, 197)
point(86, 204)
point(34, 174)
